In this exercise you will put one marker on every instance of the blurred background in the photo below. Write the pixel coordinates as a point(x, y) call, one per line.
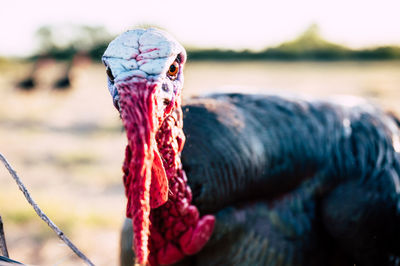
point(58, 127)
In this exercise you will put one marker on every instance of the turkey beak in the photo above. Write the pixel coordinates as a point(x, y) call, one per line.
point(145, 179)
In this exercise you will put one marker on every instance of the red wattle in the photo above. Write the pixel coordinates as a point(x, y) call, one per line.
point(166, 226)
point(159, 183)
point(177, 222)
point(169, 254)
point(142, 164)
point(194, 240)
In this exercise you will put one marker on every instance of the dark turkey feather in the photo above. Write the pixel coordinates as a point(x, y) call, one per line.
point(293, 182)
point(312, 176)
point(250, 146)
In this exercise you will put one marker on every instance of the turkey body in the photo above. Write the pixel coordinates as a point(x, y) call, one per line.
point(291, 181)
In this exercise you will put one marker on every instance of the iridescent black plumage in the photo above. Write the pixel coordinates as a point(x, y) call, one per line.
point(293, 182)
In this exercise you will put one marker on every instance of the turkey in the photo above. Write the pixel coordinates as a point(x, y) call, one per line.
point(236, 179)
point(29, 82)
point(66, 81)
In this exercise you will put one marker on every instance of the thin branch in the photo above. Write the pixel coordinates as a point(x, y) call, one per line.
point(41, 214)
point(3, 246)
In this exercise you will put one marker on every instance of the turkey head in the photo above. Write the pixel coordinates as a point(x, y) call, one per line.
point(145, 79)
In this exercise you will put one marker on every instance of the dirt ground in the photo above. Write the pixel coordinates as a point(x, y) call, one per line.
point(67, 146)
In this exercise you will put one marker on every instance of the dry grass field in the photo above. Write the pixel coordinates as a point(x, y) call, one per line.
point(67, 146)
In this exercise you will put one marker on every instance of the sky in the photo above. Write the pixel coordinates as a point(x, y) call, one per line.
point(208, 23)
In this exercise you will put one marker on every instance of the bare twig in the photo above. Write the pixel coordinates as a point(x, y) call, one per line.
point(3, 246)
point(41, 214)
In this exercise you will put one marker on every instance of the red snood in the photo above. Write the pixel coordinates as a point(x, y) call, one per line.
point(166, 226)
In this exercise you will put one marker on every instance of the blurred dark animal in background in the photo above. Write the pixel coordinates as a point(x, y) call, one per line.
point(66, 80)
point(29, 82)
point(62, 82)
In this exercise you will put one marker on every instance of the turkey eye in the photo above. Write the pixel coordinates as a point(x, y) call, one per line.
point(173, 70)
point(109, 74)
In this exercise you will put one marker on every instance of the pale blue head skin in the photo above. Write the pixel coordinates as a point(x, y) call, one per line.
point(144, 55)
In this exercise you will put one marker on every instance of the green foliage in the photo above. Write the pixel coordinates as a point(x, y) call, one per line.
point(64, 42)
point(383, 53)
point(308, 46)
point(309, 41)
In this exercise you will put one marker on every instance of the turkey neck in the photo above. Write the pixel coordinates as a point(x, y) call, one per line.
point(166, 226)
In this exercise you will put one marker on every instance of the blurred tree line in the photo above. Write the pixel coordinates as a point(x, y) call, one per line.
point(64, 43)
point(308, 46)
